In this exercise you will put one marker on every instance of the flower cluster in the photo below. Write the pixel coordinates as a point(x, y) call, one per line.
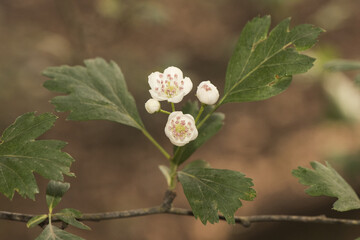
point(172, 86)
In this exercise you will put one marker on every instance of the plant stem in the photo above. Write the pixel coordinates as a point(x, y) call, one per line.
point(200, 112)
point(173, 107)
point(163, 111)
point(162, 150)
point(173, 168)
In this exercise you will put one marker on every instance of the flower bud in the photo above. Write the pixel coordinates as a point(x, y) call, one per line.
point(207, 93)
point(152, 106)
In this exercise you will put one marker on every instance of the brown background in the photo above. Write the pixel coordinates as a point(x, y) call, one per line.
point(116, 167)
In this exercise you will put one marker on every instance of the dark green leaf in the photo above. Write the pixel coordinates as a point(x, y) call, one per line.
point(54, 192)
point(69, 216)
point(52, 232)
point(96, 91)
point(325, 181)
point(21, 155)
point(262, 65)
point(342, 65)
point(197, 164)
point(207, 130)
point(211, 190)
point(34, 221)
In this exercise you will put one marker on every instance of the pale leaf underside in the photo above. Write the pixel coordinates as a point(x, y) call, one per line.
point(325, 181)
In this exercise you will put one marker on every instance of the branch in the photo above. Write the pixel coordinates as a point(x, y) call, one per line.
point(166, 208)
point(245, 221)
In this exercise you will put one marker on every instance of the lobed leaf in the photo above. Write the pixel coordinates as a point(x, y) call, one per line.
point(207, 130)
point(52, 232)
point(211, 190)
point(97, 91)
point(325, 181)
point(262, 65)
point(21, 155)
point(69, 216)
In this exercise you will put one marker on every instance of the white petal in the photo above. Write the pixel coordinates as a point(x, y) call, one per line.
point(194, 135)
point(172, 71)
point(152, 79)
point(177, 98)
point(156, 96)
point(188, 85)
point(191, 118)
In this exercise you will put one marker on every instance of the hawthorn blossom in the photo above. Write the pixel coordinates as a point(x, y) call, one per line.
point(152, 106)
point(207, 93)
point(170, 85)
point(180, 128)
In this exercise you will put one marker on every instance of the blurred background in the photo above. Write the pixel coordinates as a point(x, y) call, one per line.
point(316, 119)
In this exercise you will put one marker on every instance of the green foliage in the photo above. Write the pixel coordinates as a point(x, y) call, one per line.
point(95, 92)
point(342, 65)
point(52, 232)
point(54, 192)
point(325, 181)
point(262, 65)
point(69, 215)
point(21, 155)
point(208, 129)
point(211, 190)
point(34, 221)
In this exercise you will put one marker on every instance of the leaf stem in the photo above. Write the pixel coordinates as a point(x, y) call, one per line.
point(163, 111)
point(200, 112)
point(173, 107)
point(211, 112)
point(162, 150)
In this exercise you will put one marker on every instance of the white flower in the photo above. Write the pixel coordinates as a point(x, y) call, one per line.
point(152, 106)
point(207, 93)
point(170, 85)
point(180, 128)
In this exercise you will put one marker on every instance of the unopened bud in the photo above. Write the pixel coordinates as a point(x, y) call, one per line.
point(207, 93)
point(152, 106)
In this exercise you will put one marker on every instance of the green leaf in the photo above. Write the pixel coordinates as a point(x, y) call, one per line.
point(95, 92)
point(197, 164)
point(54, 192)
point(342, 65)
point(52, 232)
point(211, 190)
point(325, 181)
point(34, 221)
point(207, 130)
point(21, 155)
point(69, 216)
point(262, 65)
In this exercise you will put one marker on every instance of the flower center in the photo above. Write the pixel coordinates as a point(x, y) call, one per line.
point(180, 128)
point(169, 86)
